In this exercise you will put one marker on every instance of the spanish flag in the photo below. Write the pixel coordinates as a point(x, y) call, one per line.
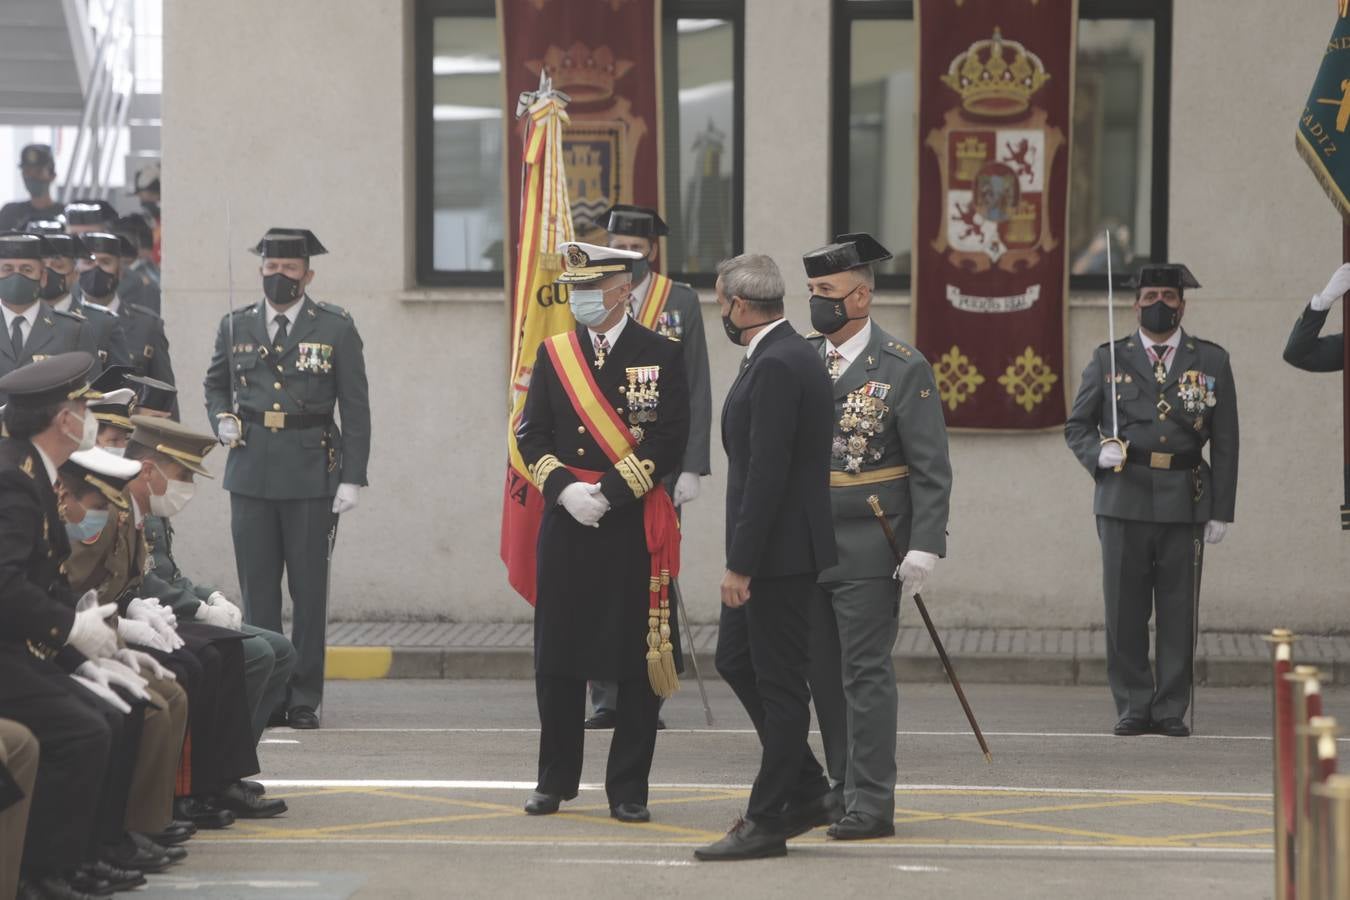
point(538, 311)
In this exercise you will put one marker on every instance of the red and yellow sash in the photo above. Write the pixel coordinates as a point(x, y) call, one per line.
point(658, 513)
point(657, 295)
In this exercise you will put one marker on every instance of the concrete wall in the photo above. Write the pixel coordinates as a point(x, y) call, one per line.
point(299, 114)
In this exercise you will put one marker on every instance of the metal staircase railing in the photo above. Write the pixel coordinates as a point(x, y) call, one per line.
point(107, 102)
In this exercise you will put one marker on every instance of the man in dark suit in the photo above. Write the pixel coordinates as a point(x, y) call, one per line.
point(777, 427)
point(1310, 350)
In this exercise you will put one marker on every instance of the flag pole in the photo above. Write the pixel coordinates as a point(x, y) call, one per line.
point(1345, 384)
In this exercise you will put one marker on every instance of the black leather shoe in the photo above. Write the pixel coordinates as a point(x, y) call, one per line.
point(631, 812)
point(302, 717)
point(860, 826)
point(55, 887)
point(201, 813)
point(541, 804)
point(256, 788)
point(149, 845)
point(84, 881)
point(602, 720)
point(126, 855)
point(1173, 727)
point(177, 833)
point(116, 879)
point(278, 718)
point(1132, 725)
point(245, 805)
point(745, 840)
point(800, 818)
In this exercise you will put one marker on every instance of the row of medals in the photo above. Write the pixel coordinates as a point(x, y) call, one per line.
point(861, 420)
point(642, 396)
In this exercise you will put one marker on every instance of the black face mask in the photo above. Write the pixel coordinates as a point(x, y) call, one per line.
point(282, 290)
point(97, 283)
point(55, 286)
point(734, 331)
point(641, 268)
point(18, 290)
point(828, 314)
point(36, 187)
point(1159, 318)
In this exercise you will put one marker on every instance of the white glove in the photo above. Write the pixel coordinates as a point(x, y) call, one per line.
point(686, 488)
point(134, 632)
point(160, 618)
point(118, 675)
point(347, 497)
point(585, 502)
point(91, 634)
point(137, 662)
point(219, 600)
point(105, 693)
point(1338, 285)
point(218, 616)
point(227, 430)
point(1110, 456)
point(1215, 530)
point(914, 570)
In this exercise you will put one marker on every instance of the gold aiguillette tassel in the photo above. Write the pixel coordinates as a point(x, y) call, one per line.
point(655, 674)
point(672, 678)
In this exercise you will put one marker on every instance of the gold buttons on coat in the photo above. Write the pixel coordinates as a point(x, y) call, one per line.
point(276, 385)
point(581, 429)
point(581, 451)
point(276, 406)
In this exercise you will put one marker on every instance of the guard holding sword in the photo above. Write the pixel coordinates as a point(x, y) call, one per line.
point(890, 444)
point(1148, 405)
point(283, 367)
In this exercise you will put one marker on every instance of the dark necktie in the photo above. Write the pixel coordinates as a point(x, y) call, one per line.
point(1160, 362)
point(16, 336)
point(280, 338)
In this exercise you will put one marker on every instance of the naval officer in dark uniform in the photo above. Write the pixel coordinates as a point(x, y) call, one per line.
point(283, 367)
point(671, 309)
point(1157, 499)
point(890, 440)
point(593, 614)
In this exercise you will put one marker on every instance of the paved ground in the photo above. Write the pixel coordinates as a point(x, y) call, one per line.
point(413, 789)
point(981, 655)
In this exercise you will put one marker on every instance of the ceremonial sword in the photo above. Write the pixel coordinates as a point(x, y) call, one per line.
point(875, 503)
point(229, 323)
point(1115, 437)
point(1196, 562)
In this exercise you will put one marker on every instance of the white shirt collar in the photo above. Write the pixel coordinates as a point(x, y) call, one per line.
point(47, 463)
point(30, 315)
point(852, 348)
point(290, 312)
point(754, 341)
point(112, 307)
point(1174, 341)
point(62, 305)
point(612, 336)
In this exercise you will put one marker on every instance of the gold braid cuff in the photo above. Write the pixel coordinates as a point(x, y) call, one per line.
point(637, 473)
point(544, 467)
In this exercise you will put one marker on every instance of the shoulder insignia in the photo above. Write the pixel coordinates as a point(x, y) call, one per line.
point(331, 308)
point(47, 320)
point(71, 314)
point(813, 335)
point(897, 349)
point(27, 467)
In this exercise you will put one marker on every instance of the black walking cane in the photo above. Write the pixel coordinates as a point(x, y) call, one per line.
point(875, 503)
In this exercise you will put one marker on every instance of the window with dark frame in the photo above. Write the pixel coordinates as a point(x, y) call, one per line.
point(459, 205)
point(1119, 173)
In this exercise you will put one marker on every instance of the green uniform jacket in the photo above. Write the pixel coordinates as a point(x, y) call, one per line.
point(320, 368)
point(682, 321)
point(1171, 418)
point(146, 342)
point(139, 288)
point(165, 580)
point(1308, 349)
point(110, 341)
point(895, 382)
point(52, 332)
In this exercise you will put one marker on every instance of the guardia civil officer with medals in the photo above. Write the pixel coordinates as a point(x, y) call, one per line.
point(1157, 499)
point(890, 440)
point(33, 331)
point(670, 308)
point(606, 420)
point(282, 368)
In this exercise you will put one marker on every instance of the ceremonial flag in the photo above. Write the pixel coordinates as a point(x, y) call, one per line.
point(1323, 143)
point(990, 272)
point(538, 310)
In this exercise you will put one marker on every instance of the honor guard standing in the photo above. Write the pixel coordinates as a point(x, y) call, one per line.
point(140, 280)
point(671, 309)
point(100, 276)
point(57, 293)
point(1308, 349)
point(39, 171)
point(1140, 433)
point(606, 420)
point(32, 330)
point(890, 441)
point(282, 367)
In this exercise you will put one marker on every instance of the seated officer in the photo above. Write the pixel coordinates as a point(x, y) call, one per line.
point(18, 771)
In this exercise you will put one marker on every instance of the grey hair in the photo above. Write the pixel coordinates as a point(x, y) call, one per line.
point(754, 278)
point(866, 274)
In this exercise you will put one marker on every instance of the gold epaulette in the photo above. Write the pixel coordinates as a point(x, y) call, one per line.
point(637, 473)
point(542, 468)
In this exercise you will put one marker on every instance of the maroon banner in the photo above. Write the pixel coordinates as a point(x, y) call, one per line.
point(606, 56)
point(990, 274)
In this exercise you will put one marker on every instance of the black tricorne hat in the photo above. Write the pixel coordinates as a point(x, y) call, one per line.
point(58, 241)
point(136, 228)
point(1173, 275)
point(104, 242)
point(152, 394)
point(17, 245)
point(634, 221)
point(289, 243)
point(64, 376)
point(90, 212)
point(849, 251)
